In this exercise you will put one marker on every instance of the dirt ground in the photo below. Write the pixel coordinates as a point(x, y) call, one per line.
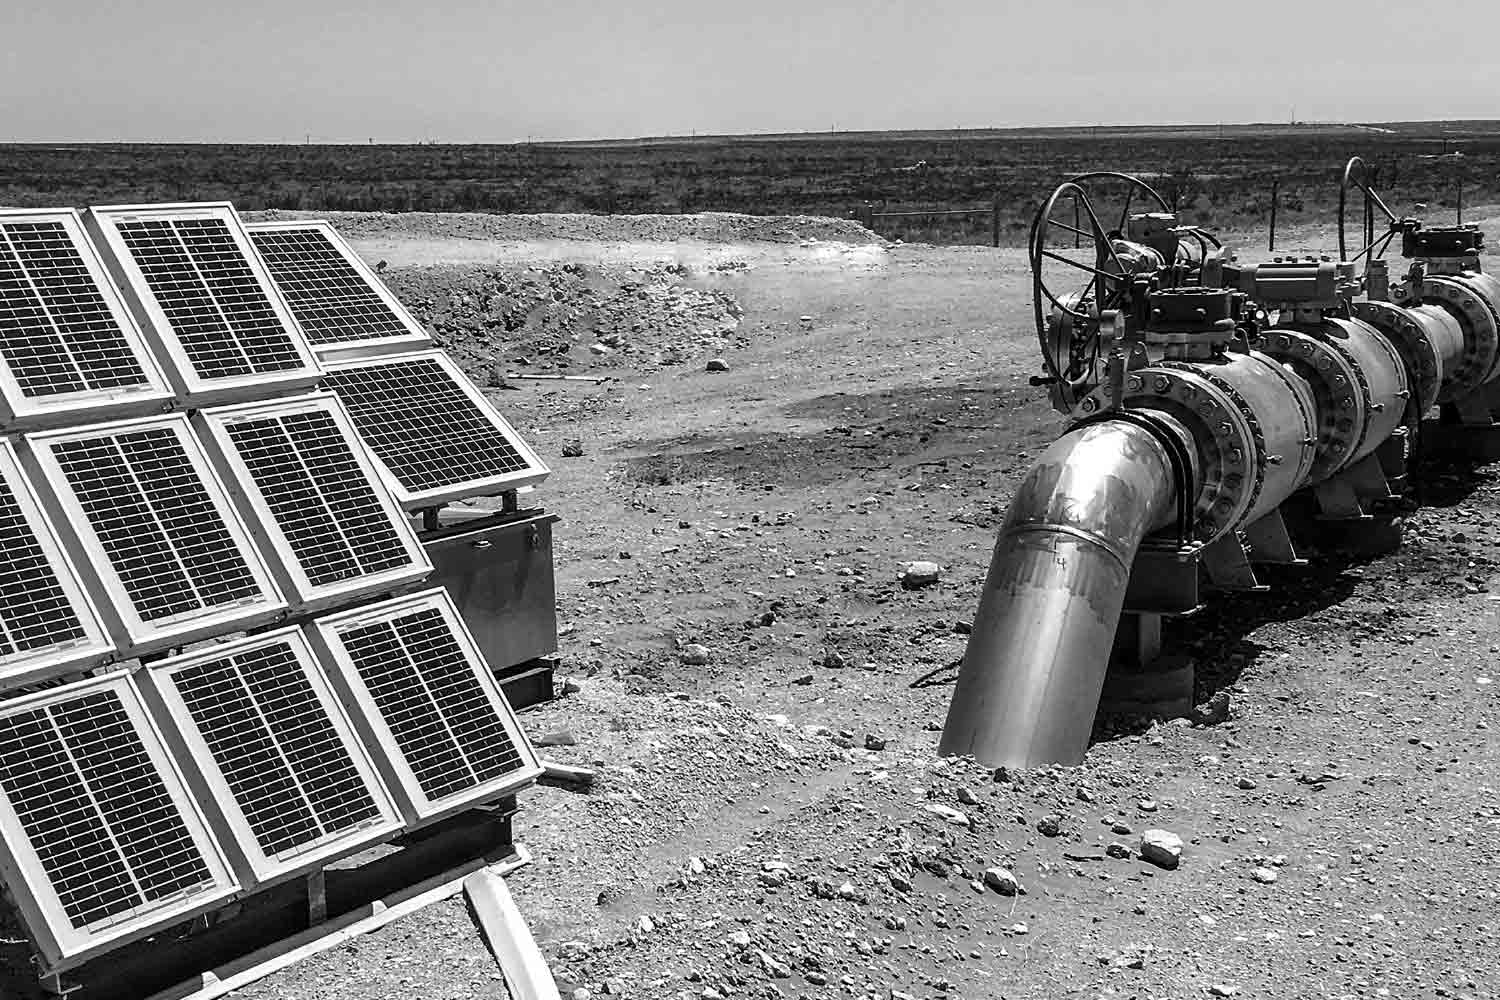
point(775, 822)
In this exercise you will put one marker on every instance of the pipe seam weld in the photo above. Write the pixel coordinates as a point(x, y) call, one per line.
point(1052, 528)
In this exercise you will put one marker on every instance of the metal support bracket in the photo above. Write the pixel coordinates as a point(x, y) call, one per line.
point(1394, 455)
point(1137, 640)
point(1473, 410)
point(1338, 500)
point(1164, 579)
point(1268, 542)
point(1367, 478)
point(1228, 564)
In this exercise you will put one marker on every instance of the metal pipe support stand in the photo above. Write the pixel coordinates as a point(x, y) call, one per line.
point(1141, 681)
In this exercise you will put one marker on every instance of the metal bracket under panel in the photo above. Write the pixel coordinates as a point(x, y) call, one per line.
point(1228, 564)
point(1269, 543)
point(1164, 579)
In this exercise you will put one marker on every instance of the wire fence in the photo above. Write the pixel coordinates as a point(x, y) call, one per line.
point(932, 222)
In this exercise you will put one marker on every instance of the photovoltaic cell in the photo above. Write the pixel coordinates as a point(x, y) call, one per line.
point(158, 524)
point(96, 810)
point(425, 688)
point(332, 300)
point(319, 495)
point(58, 334)
point(213, 300)
point(35, 612)
point(416, 417)
point(278, 751)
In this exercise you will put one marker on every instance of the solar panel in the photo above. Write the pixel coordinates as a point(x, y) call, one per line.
point(435, 435)
point(168, 557)
point(69, 348)
point(277, 764)
point(48, 625)
point(200, 291)
point(340, 303)
point(96, 822)
point(418, 689)
point(315, 499)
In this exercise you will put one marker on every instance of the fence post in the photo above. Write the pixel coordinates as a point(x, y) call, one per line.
point(1275, 190)
point(1460, 196)
point(995, 228)
point(869, 216)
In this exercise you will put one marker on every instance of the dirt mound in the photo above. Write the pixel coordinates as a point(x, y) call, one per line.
point(707, 227)
point(567, 316)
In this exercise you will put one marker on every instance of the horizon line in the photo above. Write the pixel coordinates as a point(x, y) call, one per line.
point(308, 140)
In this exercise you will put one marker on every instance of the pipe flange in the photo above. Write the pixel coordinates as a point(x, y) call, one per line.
point(1248, 413)
point(1302, 394)
point(1481, 333)
point(1397, 367)
point(1338, 387)
point(1229, 459)
point(1411, 343)
point(1488, 289)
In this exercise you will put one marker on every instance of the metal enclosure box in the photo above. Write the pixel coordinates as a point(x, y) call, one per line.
point(498, 571)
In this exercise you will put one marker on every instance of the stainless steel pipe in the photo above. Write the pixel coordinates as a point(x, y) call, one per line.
point(1034, 670)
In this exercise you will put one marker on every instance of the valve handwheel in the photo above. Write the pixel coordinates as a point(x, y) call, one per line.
point(1069, 335)
point(1357, 175)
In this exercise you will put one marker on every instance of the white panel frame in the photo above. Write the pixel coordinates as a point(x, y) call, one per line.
point(21, 412)
point(61, 945)
point(95, 648)
point(418, 809)
point(213, 429)
point(191, 389)
point(417, 335)
point(133, 635)
point(536, 470)
point(251, 864)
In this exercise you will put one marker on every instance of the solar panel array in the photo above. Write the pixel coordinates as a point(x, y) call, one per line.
point(317, 496)
point(142, 797)
point(430, 699)
point(432, 430)
point(337, 300)
point(67, 344)
point(206, 296)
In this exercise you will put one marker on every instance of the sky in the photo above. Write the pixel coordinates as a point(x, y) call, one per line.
point(499, 71)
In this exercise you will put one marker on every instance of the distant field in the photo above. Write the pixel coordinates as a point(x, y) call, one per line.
point(1219, 175)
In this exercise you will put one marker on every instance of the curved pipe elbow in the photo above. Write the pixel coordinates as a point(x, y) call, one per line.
point(1031, 678)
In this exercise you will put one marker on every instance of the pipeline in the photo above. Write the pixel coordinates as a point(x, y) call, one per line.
point(1055, 589)
point(1205, 398)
